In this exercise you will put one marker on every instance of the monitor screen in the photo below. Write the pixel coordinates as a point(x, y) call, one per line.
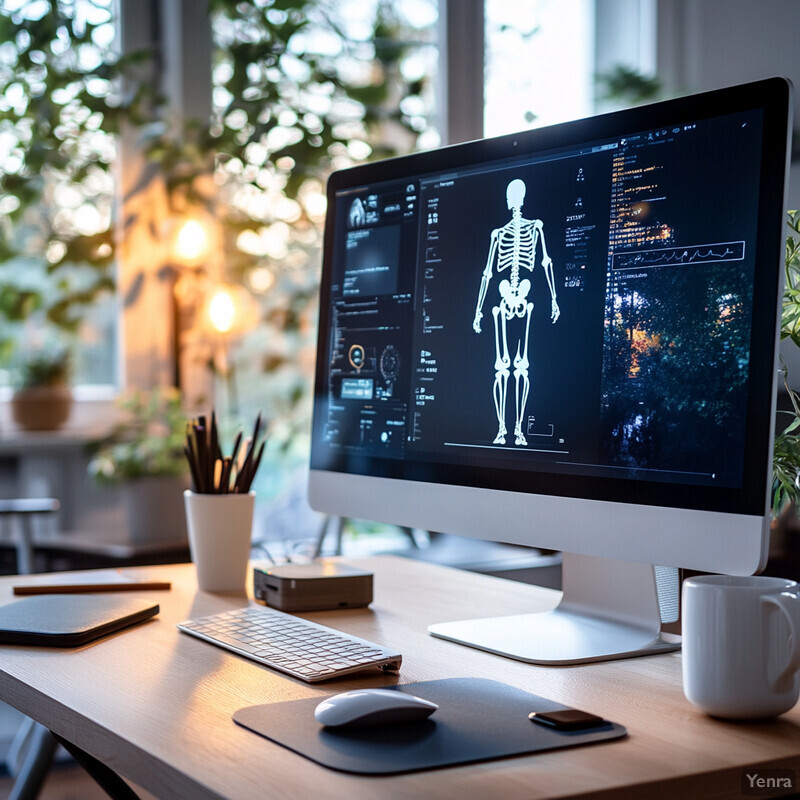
point(566, 311)
point(564, 337)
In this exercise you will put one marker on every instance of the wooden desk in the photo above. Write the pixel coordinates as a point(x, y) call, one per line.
point(156, 705)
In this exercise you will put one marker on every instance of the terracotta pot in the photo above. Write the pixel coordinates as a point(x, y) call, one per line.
point(41, 408)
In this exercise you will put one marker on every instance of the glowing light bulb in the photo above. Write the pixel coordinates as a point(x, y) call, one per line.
point(191, 243)
point(222, 311)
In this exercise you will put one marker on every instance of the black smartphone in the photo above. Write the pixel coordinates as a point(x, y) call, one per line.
point(568, 719)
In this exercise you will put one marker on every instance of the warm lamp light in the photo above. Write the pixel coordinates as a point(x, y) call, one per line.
point(230, 311)
point(191, 242)
point(222, 311)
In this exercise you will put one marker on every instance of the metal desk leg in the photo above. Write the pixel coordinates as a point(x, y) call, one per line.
point(25, 545)
point(38, 758)
point(104, 776)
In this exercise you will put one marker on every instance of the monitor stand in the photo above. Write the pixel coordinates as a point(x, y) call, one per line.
point(609, 609)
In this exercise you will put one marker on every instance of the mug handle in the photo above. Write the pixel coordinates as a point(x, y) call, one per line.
point(789, 604)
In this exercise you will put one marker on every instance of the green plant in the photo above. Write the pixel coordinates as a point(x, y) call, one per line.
point(148, 442)
point(296, 94)
point(624, 84)
point(298, 91)
point(60, 105)
point(786, 452)
point(45, 369)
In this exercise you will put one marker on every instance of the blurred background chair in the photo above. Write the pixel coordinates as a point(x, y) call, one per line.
point(19, 515)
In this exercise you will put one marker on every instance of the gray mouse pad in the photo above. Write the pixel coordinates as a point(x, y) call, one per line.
point(477, 720)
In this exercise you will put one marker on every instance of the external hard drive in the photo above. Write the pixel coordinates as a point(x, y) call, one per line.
point(318, 586)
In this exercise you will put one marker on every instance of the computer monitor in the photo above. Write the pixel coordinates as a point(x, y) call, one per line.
point(564, 338)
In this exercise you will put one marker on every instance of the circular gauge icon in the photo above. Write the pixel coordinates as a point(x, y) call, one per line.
point(356, 356)
point(390, 363)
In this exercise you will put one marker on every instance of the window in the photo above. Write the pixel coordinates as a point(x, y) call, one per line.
point(337, 87)
point(57, 198)
point(539, 63)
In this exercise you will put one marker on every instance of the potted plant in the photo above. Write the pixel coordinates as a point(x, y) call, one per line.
point(784, 549)
point(786, 455)
point(143, 456)
point(42, 400)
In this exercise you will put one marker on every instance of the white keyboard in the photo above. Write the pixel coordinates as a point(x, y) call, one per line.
point(293, 645)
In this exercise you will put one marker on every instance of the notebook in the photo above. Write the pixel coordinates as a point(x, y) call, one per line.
point(56, 620)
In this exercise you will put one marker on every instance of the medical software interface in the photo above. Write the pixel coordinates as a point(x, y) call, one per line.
point(584, 311)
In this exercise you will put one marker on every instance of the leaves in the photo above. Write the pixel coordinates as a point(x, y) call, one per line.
point(790, 311)
point(149, 442)
point(296, 95)
point(626, 84)
point(786, 461)
point(61, 100)
point(786, 448)
point(46, 370)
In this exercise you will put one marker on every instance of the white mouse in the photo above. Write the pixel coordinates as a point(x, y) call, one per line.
point(372, 707)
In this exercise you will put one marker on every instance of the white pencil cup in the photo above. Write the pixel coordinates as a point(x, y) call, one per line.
point(220, 530)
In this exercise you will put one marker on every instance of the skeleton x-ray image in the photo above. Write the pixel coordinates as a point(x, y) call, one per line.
point(513, 248)
point(358, 216)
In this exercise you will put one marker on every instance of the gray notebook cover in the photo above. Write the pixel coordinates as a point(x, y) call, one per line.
point(61, 620)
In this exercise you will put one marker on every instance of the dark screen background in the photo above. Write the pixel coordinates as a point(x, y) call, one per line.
point(565, 357)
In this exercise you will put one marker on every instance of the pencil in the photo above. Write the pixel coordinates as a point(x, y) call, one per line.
point(84, 588)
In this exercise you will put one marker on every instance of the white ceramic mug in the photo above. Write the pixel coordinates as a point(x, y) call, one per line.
point(741, 645)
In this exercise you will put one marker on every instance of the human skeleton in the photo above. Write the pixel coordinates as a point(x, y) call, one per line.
point(515, 247)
